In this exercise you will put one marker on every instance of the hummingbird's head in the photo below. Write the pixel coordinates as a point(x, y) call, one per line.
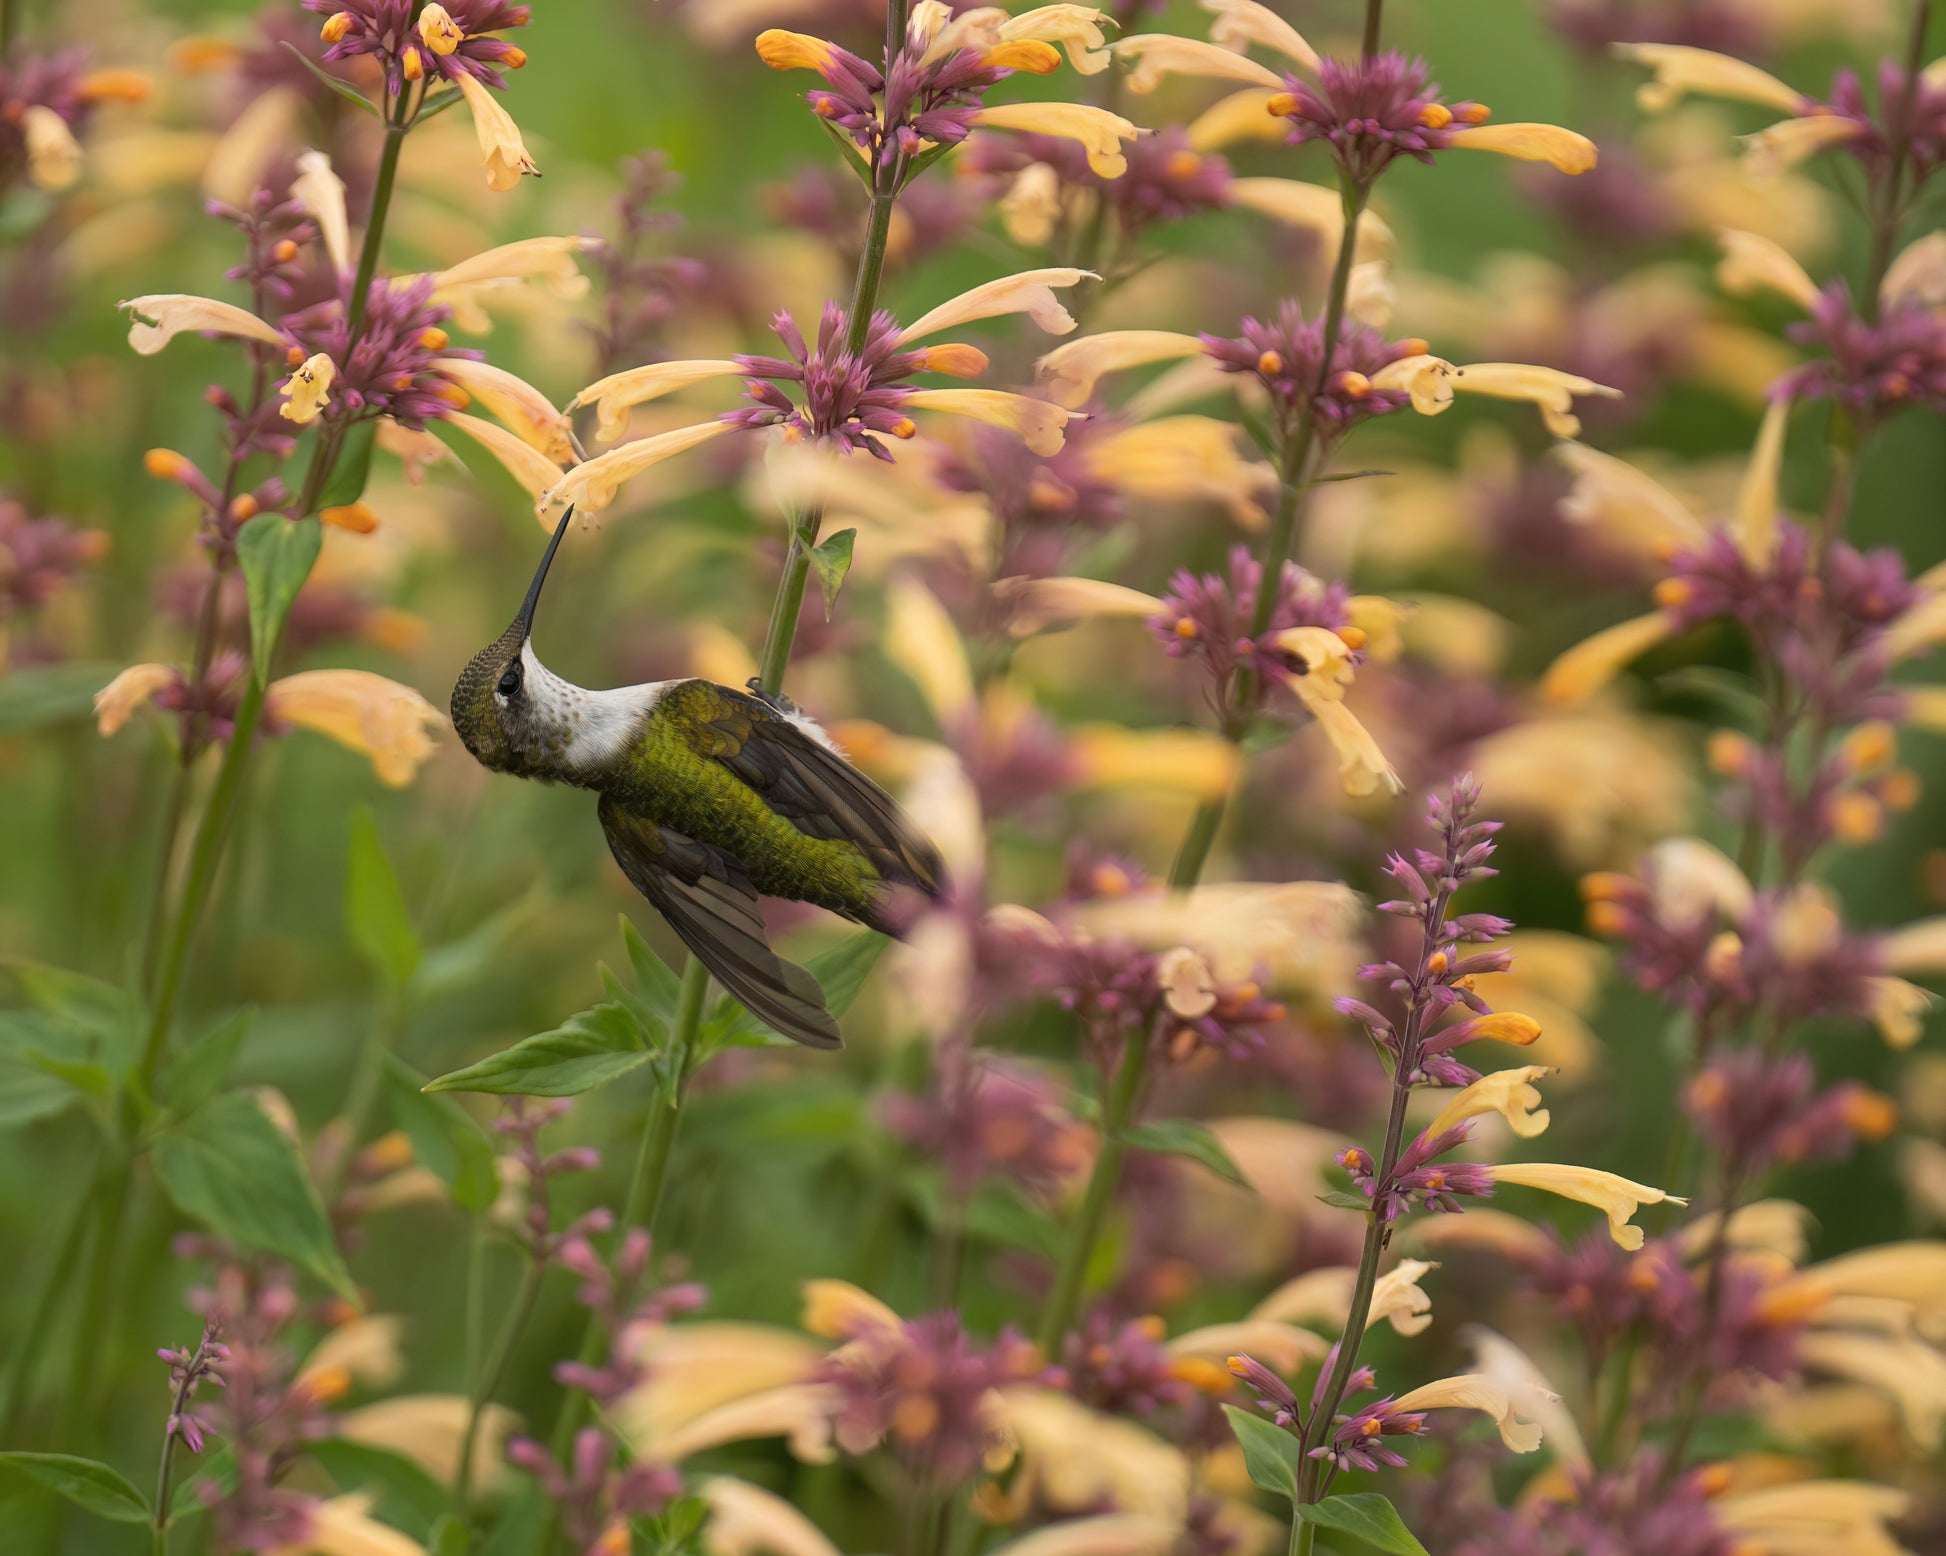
point(493, 711)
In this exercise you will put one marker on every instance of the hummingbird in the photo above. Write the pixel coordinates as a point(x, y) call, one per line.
point(709, 797)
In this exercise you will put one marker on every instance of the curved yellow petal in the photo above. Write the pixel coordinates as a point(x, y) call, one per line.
point(1035, 604)
point(1476, 1391)
point(1566, 150)
point(502, 151)
point(1069, 373)
point(1616, 1197)
point(613, 396)
point(1510, 1093)
point(1099, 132)
point(1039, 423)
point(116, 702)
point(390, 723)
point(1681, 69)
point(1754, 263)
point(160, 317)
point(1157, 55)
point(1755, 520)
point(322, 194)
point(516, 402)
point(592, 486)
point(1240, 23)
point(1242, 116)
point(1030, 292)
point(1595, 661)
point(1777, 150)
point(1549, 389)
point(525, 463)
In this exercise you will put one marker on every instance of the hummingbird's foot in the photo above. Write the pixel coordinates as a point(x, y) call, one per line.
point(776, 700)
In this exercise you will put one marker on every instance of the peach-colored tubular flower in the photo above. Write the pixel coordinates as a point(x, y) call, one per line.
point(1069, 373)
point(1242, 116)
point(134, 688)
point(1510, 1093)
point(615, 395)
point(1507, 1367)
point(1362, 767)
point(1680, 69)
point(1475, 1391)
point(1039, 424)
point(1775, 151)
point(592, 486)
point(1030, 292)
point(515, 401)
point(1615, 1196)
point(1099, 132)
point(501, 148)
point(1595, 661)
point(159, 318)
point(746, 1520)
point(54, 156)
point(390, 723)
point(1076, 1458)
point(1105, 1534)
point(1754, 263)
point(1826, 1517)
point(1315, 209)
point(430, 1430)
point(1240, 23)
point(344, 1526)
point(322, 194)
point(1077, 28)
point(1550, 390)
point(1197, 761)
point(1036, 604)
point(1154, 56)
point(1564, 149)
point(525, 463)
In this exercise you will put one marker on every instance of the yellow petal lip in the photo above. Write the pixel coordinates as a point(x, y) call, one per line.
point(135, 687)
point(1553, 392)
point(1069, 373)
point(1476, 1391)
point(1028, 54)
point(1240, 23)
point(516, 402)
point(1564, 149)
point(308, 389)
point(1773, 152)
point(1099, 132)
point(1077, 28)
point(437, 29)
point(1510, 1093)
point(1039, 422)
point(524, 462)
point(1035, 604)
point(160, 317)
point(1754, 263)
point(1680, 69)
point(1617, 1197)
point(782, 50)
point(1029, 291)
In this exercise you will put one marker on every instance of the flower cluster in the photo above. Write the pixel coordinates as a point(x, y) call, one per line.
point(413, 42)
point(1207, 617)
point(1372, 110)
point(984, 1115)
point(1286, 356)
point(1757, 1110)
point(46, 103)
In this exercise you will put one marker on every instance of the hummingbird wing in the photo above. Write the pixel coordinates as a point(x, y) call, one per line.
point(709, 902)
point(808, 783)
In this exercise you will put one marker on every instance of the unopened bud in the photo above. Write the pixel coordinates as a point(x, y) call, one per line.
point(1730, 754)
point(1473, 113)
point(1869, 747)
point(415, 67)
point(1270, 363)
point(336, 26)
point(1856, 816)
point(1900, 791)
point(514, 58)
point(1435, 116)
point(284, 251)
point(433, 338)
point(244, 507)
point(1673, 592)
point(1353, 384)
point(165, 464)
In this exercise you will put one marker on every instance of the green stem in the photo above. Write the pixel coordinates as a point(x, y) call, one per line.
point(789, 604)
point(1065, 1302)
point(388, 170)
point(1374, 19)
point(1197, 842)
point(871, 265)
point(34, 1334)
point(488, 1380)
point(94, 1300)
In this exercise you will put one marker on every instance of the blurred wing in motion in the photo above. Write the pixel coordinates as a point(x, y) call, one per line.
point(710, 903)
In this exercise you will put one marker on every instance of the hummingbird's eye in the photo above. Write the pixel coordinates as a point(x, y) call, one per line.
point(510, 682)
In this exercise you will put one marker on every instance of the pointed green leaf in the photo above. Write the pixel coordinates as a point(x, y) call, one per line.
point(353, 467)
point(376, 918)
point(198, 1072)
point(87, 1006)
point(1186, 1137)
point(1338, 1199)
point(592, 1049)
point(277, 555)
point(343, 88)
point(444, 1136)
point(86, 1483)
point(40, 696)
point(1274, 1458)
point(460, 964)
point(28, 1091)
point(84, 1075)
point(229, 1167)
point(841, 972)
point(830, 559)
point(657, 982)
point(1367, 1516)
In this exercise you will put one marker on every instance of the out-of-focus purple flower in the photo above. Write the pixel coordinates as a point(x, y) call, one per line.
point(1756, 1110)
point(1611, 1513)
point(595, 1499)
point(987, 1115)
point(932, 214)
point(641, 285)
point(1874, 366)
point(1371, 110)
point(1595, 26)
point(41, 556)
point(1208, 617)
point(921, 1387)
point(411, 41)
point(1286, 356)
point(48, 101)
point(1617, 205)
point(1016, 758)
point(1121, 1366)
point(1041, 503)
point(391, 370)
point(1910, 111)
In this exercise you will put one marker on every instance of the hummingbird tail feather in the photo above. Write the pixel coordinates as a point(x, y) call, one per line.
point(709, 902)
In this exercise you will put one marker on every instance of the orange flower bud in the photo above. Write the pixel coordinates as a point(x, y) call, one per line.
point(1604, 918)
point(336, 26)
point(1353, 637)
point(1871, 1115)
point(514, 58)
point(433, 338)
point(904, 428)
point(1185, 628)
point(1476, 113)
point(1900, 791)
point(356, 517)
point(1413, 346)
point(244, 507)
point(92, 545)
point(294, 356)
point(954, 360)
point(1604, 885)
point(1857, 817)
point(1869, 747)
point(1281, 104)
point(165, 464)
point(1356, 385)
point(1435, 116)
point(1270, 363)
point(285, 251)
point(114, 86)
point(1184, 164)
point(415, 67)
point(1672, 592)
point(1728, 753)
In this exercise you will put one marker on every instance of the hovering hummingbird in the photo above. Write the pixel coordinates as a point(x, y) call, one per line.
point(709, 797)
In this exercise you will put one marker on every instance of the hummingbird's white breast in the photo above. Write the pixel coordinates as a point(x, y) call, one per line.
point(589, 729)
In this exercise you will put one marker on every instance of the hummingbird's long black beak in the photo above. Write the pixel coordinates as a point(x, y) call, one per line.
point(525, 620)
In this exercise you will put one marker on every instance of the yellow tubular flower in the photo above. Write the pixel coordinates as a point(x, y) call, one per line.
point(1427, 379)
point(782, 50)
point(1616, 1197)
point(1476, 1391)
point(430, 1429)
point(1918, 274)
point(527, 259)
point(114, 86)
point(746, 1520)
point(1196, 761)
point(1753, 263)
point(1240, 23)
point(921, 640)
point(1624, 503)
point(1039, 424)
point(1156, 55)
point(1755, 521)
point(159, 318)
point(1028, 54)
point(1077, 28)
point(504, 152)
point(1777, 150)
point(134, 688)
point(1592, 663)
point(1030, 292)
point(1241, 116)
point(1179, 458)
point(1567, 151)
point(344, 1526)
point(1069, 373)
point(1830, 1517)
point(1105, 1534)
point(515, 401)
point(839, 1310)
point(1280, 1346)
point(1549, 389)
point(308, 389)
point(1398, 1299)
point(54, 156)
point(322, 194)
point(525, 463)
point(1510, 1093)
point(614, 395)
point(1099, 132)
point(1362, 767)
point(798, 1412)
point(390, 723)
point(592, 486)
point(1680, 69)
point(1035, 604)
point(1032, 205)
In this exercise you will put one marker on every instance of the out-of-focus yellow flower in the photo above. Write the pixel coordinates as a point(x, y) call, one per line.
point(1075, 1458)
point(1909, 1272)
point(1615, 497)
point(134, 688)
point(54, 156)
point(1775, 151)
point(1179, 459)
point(696, 1369)
point(1282, 1347)
point(1506, 1367)
point(501, 148)
point(308, 390)
point(321, 192)
point(430, 1429)
point(380, 719)
point(1037, 604)
point(1098, 132)
point(1106, 1534)
point(1077, 28)
point(1905, 1368)
point(1830, 1517)
point(616, 394)
point(1680, 69)
point(1029, 291)
point(366, 1350)
point(1510, 1093)
point(800, 1413)
point(1195, 761)
point(1037, 423)
point(1491, 1231)
point(1754, 263)
point(746, 1520)
point(1281, 1160)
point(921, 640)
point(1616, 1197)
point(1242, 116)
point(1069, 373)
point(1563, 149)
point(1431, 381)
point(344, 1526)
point(1918, 274)
point(1314, 209)
point(1323, 1297)
point(160, 317)
point(1154, 56)
point(1240, 23)
point(838, 1310)
point(1476, 1391)
point(1595, 661)
point(1300, 932)
point(1778, 1228)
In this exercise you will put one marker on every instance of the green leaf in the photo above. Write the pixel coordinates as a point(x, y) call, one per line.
point(276, 554)
point(1367, 1516)
point(28, 1090)
point(86, 1006)
point(198, 1072)
point(376, 918)
point(460, 964)
point(841, 972)
point(43, 695)
point(656, 982)
point(405, 1496)
point(1272, 1455)
point(830, 559)
point(353, 467)
point(1186, 1137)
point(591, 1050)
point(84, 1075)
point(449, 1537)
point(343, 88)
point(1338, 1199)
point(229, 1167)
point(86, 1483)
point(444, 1136)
